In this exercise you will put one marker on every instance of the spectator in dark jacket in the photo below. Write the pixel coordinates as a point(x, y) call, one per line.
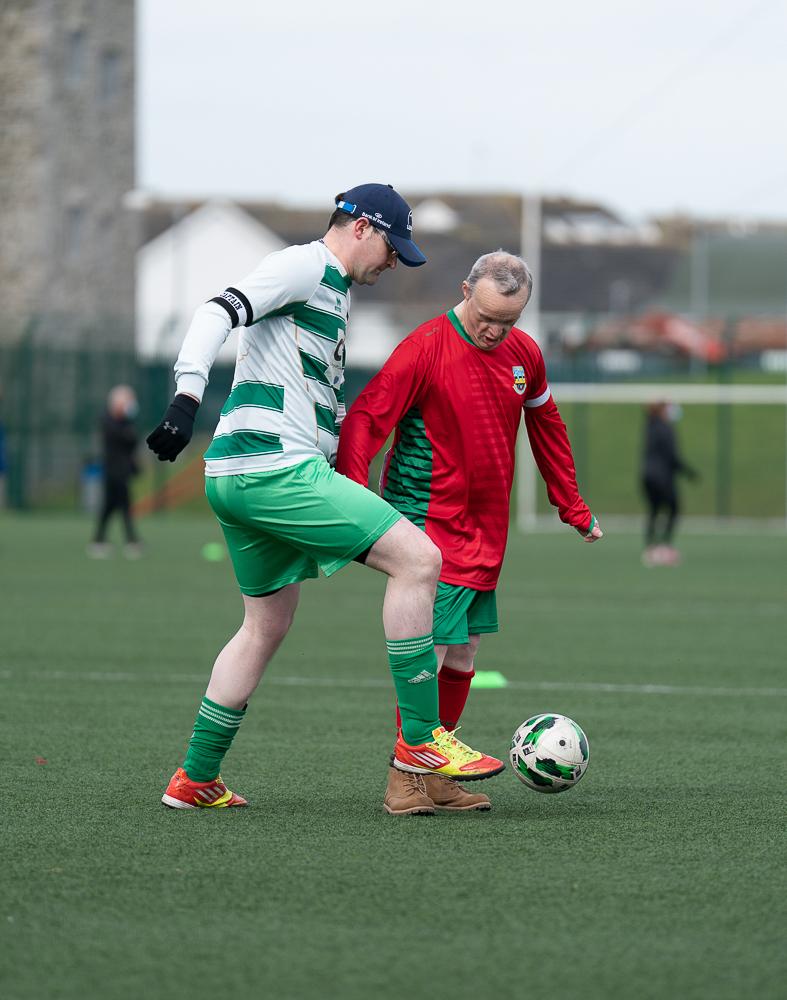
point(661, 465)
point(119, 438)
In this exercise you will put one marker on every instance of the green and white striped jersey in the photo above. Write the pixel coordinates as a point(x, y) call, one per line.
point(287, 398)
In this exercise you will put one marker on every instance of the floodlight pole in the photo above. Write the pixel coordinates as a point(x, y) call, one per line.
point(699, 284)
point(530, 321)
point(530, 238)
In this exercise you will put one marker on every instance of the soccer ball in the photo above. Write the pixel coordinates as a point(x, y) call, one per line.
point(549, 753)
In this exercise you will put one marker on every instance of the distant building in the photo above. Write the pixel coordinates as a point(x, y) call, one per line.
point(592, 262)
point(67, 149)
point(192, 260)
point(605, 283)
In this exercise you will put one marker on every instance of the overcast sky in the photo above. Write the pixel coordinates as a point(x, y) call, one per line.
point(648, 107)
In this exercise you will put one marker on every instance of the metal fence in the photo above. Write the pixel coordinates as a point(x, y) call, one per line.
point(51, 401)
point(52, 398)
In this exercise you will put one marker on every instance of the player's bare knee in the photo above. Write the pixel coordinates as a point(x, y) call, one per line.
point(435, 561)
point(269, 628)
point(427, 561)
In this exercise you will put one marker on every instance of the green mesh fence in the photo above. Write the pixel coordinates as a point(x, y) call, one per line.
point(738, 450)
point(51, 400)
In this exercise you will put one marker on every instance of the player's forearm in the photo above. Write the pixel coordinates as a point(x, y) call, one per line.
point(555, 461)
point(358, 444)
point(208, 331)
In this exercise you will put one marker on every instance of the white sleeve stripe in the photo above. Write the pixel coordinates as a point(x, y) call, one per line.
point(539, 400)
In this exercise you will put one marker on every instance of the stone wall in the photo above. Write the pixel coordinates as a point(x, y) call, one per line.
point(67, 148)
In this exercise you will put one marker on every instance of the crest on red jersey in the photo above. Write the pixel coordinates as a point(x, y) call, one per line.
point(520, 380)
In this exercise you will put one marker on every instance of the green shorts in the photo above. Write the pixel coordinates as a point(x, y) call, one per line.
point(460, 612)
point(285, 525)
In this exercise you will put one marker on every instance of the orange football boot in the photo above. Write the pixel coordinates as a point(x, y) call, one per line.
point(445, 755)
point(183, 793)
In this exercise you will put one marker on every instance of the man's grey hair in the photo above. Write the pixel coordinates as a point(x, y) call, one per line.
point(509, 272)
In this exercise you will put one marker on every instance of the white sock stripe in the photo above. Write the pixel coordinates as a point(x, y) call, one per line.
point(218, 718)
point(227, 712)
point(409, 645)
point(227, 721)
point(218, 722)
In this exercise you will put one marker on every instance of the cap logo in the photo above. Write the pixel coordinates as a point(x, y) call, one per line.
point(377, 219)
point(410, 222)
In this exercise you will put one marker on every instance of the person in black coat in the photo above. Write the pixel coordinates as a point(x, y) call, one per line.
point(119, 439)
point(661, 465)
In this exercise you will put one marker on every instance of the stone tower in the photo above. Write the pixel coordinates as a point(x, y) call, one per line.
point(67, 152)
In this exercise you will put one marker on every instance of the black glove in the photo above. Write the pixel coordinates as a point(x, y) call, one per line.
point(174, 432)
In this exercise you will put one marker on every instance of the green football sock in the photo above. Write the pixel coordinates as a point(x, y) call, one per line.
point(414, 669)
point(214, 728)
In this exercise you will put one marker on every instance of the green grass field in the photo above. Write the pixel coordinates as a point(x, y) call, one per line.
point(739, 452)
point(658, 876)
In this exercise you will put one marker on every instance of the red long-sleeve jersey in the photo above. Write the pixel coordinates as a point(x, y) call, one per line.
point(456, 410)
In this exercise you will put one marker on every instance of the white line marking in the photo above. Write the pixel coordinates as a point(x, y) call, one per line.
point(99, 676)
point(644, 688)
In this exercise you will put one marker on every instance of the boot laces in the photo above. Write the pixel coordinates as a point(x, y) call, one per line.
point(414, 781)
point(458, 750)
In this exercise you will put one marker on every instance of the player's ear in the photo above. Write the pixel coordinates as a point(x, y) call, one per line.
point(466, 290)
point(359, 228)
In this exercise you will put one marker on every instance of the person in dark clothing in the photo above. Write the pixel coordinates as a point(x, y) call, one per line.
point(661, 465)
point(119, 438)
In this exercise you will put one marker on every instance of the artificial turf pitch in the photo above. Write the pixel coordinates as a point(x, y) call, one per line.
point(658, 876)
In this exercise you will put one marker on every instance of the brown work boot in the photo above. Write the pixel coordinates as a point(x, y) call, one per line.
point(406, 795)
point(450, 796)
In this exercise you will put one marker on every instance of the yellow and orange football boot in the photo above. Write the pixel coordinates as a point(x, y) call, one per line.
point(445, 755)
point(183, 793)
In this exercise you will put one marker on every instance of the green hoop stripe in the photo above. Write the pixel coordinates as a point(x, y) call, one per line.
point(326, 418)
point(287, 310)
point(242, 444)
point(322, 324)
point(263, 394)
point(314, 368)
point(333, 279)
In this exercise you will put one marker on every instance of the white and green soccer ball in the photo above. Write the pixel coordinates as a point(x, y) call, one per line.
point(549, 753)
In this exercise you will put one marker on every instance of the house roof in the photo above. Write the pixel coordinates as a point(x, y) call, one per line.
point(592, 260)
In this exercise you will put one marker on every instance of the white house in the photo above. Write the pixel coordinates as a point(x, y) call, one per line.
point(200, 254)
point(214, 246)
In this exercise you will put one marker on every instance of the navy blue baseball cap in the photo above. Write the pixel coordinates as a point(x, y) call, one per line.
point(387, 211)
